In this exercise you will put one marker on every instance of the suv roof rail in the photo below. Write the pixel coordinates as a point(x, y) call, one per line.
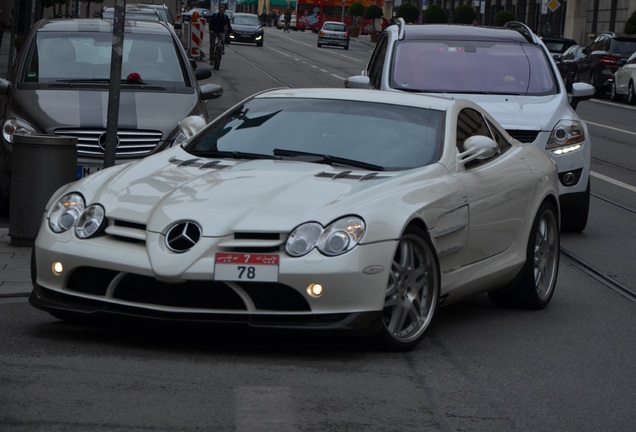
point(400, 23)
point(522, 28)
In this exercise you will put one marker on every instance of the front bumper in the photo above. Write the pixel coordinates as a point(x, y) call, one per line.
point(51, 301)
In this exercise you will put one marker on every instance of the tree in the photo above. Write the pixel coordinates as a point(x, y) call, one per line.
point(373, 12)
point(630, 24)
point(502, 17)
point(408, 12)
point(464, 14)
point(356, 10)
point(434, 15)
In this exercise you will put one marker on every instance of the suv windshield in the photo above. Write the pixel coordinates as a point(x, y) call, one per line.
point(471, 67)
point(69, 57)
point(623, 46)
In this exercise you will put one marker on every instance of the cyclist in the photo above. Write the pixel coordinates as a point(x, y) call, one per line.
point(219, 25)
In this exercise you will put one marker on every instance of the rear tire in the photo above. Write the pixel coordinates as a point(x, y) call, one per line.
point(613, 95)
point(218, 53)
point(412, 293)
point(534, 286)
point(631, 94)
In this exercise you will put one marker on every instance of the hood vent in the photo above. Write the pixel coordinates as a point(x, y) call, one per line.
point(349, 176)
point(198, 163)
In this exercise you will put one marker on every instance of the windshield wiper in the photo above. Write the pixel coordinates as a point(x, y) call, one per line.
point(230, 154)
point(84, 80)
point(326, 159)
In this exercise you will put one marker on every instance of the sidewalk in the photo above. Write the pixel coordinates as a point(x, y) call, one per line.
point(15, 261)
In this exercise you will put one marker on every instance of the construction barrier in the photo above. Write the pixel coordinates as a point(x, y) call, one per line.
point(197, 33)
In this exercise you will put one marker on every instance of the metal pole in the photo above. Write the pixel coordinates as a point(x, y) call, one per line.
point(112, 118)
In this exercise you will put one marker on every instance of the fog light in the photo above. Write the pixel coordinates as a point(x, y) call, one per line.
point(314, 290)
point(57, 268)
point(569, 179)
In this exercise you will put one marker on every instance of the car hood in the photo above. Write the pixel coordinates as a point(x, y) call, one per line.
point(228, 195)
point(244, 27)
point(48, 110)
point(537, 113)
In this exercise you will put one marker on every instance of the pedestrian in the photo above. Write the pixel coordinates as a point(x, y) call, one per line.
point(219, 25)
point(385, 23)
point(3, 26)
point(288, 15)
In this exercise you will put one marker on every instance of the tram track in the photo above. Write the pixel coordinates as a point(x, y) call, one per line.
point(603, 277)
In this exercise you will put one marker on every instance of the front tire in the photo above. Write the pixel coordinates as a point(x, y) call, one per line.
point(534, 286)
point(574, 220)
point(412, 293)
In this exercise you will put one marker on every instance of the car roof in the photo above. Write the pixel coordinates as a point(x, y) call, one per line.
point(243, 14)
point(464, 32)
point(98, 25)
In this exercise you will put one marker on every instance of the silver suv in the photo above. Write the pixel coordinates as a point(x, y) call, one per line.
point(506, 70)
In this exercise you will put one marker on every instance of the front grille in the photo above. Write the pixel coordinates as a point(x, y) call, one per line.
point(132, 143)
point(211, 295)
point(525, 136)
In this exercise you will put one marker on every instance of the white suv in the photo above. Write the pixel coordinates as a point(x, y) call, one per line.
point(508, 71)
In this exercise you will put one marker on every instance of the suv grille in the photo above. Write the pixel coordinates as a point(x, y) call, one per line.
point(132, 143)
point(525, 136)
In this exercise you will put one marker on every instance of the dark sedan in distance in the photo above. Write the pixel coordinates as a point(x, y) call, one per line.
point(246, 28)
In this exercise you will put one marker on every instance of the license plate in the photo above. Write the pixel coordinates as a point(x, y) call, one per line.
point(246, 267)
point(84, 170)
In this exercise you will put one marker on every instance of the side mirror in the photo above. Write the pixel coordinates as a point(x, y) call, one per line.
point(202, 73)
point(358, 81)
point(191, 125)
point(478, 147)
point(581, 92)
point(211, 91)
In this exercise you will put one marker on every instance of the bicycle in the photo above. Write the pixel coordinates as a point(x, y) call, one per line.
point(217, 52)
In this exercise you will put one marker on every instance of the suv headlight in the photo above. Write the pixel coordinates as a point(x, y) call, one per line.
point(567, 136)
point(14, 126)
point(337, 238)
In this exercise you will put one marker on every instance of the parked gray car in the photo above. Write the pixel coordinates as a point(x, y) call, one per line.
point(60, 85)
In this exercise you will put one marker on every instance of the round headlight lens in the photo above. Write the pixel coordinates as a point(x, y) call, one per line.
point(65, 212)
point(90, 221)
point(341, 236)
point(303, 239)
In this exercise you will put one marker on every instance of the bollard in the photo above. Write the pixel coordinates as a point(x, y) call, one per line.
point(40, 165)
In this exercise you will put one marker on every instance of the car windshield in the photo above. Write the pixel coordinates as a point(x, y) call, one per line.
point(472, 67)
point(392, 137)
point(623, 46)
point(335, 27)
point(136, 15)
point(85, 57)
point(251, 20)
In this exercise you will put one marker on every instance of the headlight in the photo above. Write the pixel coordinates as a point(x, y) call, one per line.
point(567, 133)
point(90, 221)
point(14, 126)
point(65, 212)
point(337, 238)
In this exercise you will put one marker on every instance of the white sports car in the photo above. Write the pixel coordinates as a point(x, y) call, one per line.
point(377, 209)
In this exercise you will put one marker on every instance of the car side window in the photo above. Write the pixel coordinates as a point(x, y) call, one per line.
point(377, 62)
point(471, 123)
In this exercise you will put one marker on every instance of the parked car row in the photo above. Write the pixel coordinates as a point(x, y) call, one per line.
point(607, 64)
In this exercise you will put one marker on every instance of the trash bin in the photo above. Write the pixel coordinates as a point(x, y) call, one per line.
point(40, 165)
